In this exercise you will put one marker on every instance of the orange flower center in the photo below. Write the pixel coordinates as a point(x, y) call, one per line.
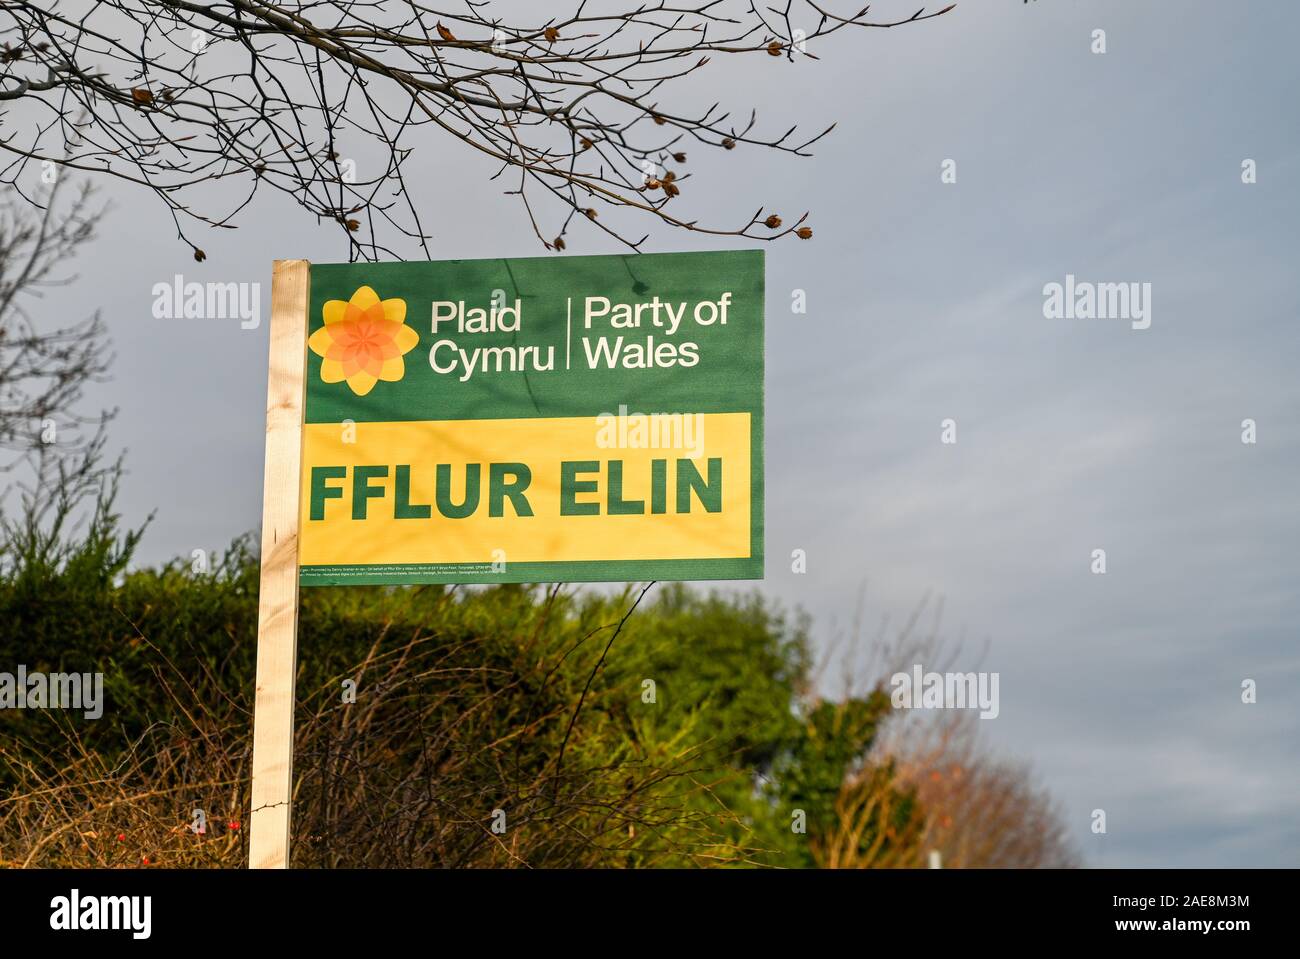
point(364, 340)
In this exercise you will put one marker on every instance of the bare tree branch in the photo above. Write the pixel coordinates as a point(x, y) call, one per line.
point(171, 94)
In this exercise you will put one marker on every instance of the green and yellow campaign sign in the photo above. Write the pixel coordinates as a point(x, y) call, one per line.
point(547, 419)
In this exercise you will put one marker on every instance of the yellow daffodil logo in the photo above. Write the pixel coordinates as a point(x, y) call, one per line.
point(363, 341)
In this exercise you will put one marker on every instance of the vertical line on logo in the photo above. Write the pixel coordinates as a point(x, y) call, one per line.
point(568, 328)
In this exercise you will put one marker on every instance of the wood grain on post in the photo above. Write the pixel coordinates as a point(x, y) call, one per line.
point(277, 621)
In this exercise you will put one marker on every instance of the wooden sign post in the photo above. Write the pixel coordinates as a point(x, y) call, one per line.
point(277, 619)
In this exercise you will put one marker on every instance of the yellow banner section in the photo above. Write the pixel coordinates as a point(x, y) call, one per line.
point(374, 493)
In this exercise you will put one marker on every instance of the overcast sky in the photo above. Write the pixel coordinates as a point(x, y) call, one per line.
point(925, 302)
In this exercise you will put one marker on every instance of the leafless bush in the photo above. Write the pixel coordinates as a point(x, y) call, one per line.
point(972, 808)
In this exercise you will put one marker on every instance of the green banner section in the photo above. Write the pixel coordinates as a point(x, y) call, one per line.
point(650, 347)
